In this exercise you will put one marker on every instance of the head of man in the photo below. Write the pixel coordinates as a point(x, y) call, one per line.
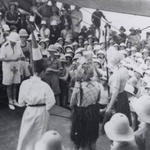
point(13, 38)
point(23, 35)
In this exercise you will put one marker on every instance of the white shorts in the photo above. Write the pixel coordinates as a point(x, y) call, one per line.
point(10, 78)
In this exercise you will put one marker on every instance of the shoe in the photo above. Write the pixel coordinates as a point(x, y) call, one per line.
point(16, 103)
point(11, 106)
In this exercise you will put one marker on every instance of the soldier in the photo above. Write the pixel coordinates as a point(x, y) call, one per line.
point(11, 54)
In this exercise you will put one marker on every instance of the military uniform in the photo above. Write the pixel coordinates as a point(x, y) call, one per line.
point(11, 70)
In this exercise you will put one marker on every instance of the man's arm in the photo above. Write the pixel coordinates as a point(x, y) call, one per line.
point(37, 12)
point(3, 56)
point(113, 99)
point(115, 86)
point(104, 17)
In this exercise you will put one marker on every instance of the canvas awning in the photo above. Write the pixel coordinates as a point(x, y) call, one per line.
point(135, 7)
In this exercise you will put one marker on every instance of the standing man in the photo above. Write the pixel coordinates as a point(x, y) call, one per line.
point(51, 75)
point(77, 18)
point(10, 55)
point(12, 16)
point(117, 81)
point(38, 98)
point(122, 35)
point(96, 20)
point(133, 38)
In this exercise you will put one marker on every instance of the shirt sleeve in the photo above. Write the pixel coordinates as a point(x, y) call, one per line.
point(75, 96)
point(115, 85)
point(2, 53)
point(21, 99)
point(49, 98)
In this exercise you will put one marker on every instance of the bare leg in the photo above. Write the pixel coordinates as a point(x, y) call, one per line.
point(10, 94)
point(93, 146)
point(14, 92)
point(10, 97)
point(57, 97)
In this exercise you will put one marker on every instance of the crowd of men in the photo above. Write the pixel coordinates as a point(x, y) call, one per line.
point(73, 54)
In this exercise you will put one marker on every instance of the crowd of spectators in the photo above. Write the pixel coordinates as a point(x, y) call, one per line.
point(74, 57)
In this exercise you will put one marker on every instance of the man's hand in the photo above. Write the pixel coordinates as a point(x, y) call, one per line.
point(14, 58)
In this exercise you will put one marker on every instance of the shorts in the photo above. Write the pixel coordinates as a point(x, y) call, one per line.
point(10, 78)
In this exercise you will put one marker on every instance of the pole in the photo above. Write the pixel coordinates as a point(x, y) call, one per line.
point(106, 46)
point(145, 28)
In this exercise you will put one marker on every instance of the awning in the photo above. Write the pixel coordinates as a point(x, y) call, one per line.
point(135, 7)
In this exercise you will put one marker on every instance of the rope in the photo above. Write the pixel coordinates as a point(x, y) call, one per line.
point(79, 4)
point(145, 28)
point(102, 19)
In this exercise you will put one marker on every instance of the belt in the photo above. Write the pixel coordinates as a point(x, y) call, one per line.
point(37, 105)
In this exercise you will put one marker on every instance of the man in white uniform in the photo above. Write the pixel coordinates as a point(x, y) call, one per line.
point(10, 55)
point(39, 99)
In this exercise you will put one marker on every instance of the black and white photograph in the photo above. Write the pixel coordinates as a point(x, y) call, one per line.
point(74, 74)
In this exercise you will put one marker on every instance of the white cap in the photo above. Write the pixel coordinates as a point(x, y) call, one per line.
point(122, 44)
point(147, 86)
point(13, 37)
point(138, 54)
point(32, 19)
point(43, 22)
point(133, 49)
point(129, 88)
point(53, 23)
point(97, 47)
point(6, 27)
point(49, 3)
point(47, 31)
